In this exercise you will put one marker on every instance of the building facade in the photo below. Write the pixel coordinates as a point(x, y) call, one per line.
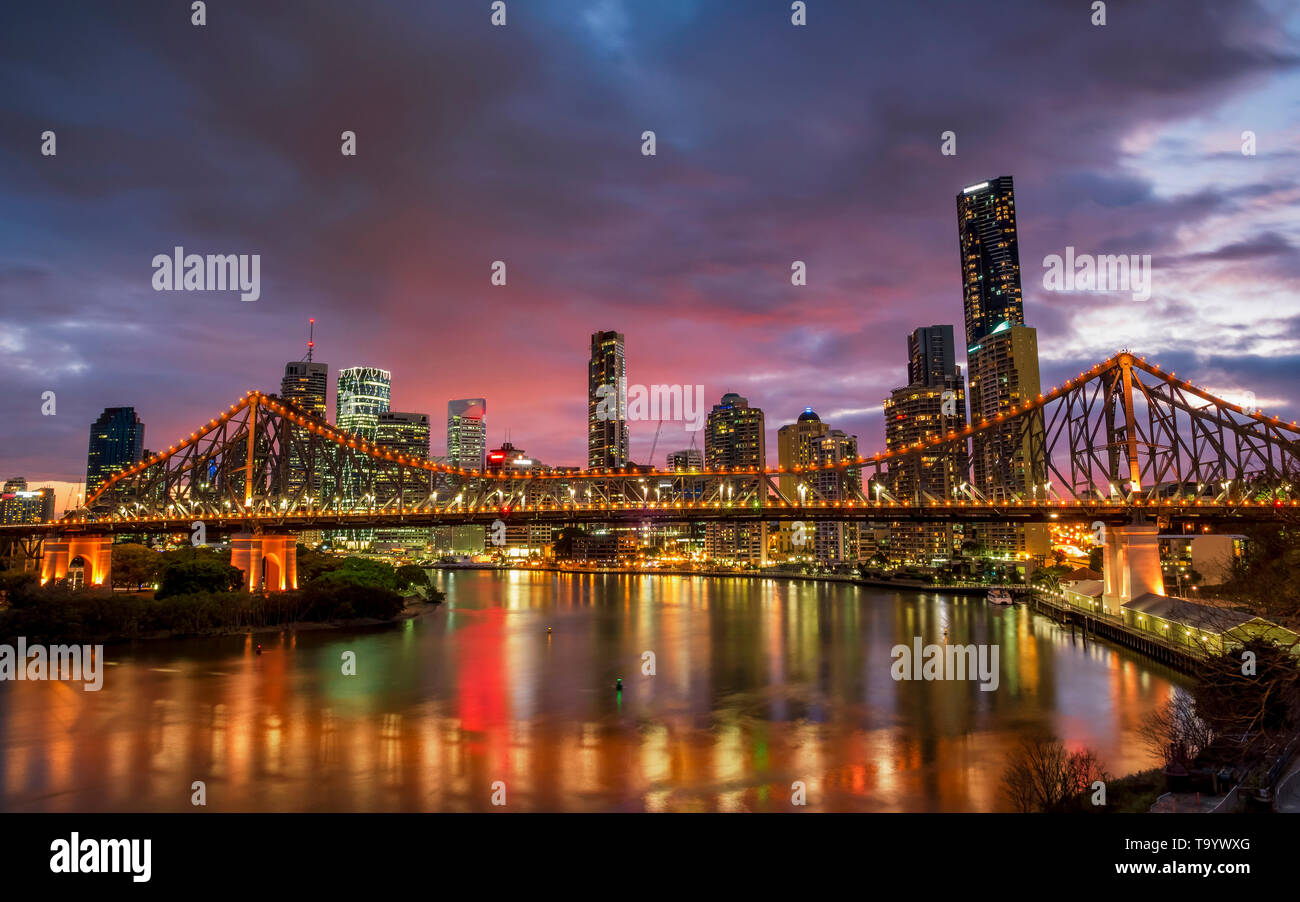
point(19, 505)
point(1002, 357)
point(467, 433)
point(607, 433)
point(810, 443)
point(734, 436)
point(305, 384)
point(931, 405)
point(116, 442)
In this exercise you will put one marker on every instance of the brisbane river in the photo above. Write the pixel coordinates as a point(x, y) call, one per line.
point(758, 684)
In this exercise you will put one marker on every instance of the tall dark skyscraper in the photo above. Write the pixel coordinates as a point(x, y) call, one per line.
point(607, 435)
point(306, 384)
point(990, 257)
point(931, 356)
point(116, 441)
point(1002, 356)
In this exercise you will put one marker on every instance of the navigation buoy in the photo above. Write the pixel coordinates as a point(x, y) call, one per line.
point(618, 685)
point(259, 649)
point(548, 631)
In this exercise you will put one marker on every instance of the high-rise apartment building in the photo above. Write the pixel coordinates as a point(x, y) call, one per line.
point(805, 443)
point(1001, 353)
point(607, 433)
point(990, 257)
point(116, 442)
point(734, 437)
point(931, 405)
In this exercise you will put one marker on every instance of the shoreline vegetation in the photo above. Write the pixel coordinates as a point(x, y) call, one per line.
point(195, 593)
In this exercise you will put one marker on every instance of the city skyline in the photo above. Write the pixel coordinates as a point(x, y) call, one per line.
point(722, 311)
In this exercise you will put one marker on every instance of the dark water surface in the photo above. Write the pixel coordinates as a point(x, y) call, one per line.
point(758, 684)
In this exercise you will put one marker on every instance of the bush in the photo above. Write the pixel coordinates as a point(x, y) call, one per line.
point(198, 576)
point(58, 614)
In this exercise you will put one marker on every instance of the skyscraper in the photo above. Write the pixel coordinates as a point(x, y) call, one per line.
point(931, 356)
point(1002, 355)
point(405, 433)
point(408, 435)
point(306, 383)
point(466, 433)
point(116, 441)
point(931, 405)
point(607, 434)
point(808, 442)
point(363, 393)
point(734, 437)
point(990, 257)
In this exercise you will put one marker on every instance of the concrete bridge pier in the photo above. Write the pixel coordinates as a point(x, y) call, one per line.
point(1130, 565)
point(90, 557)
point(269, 560)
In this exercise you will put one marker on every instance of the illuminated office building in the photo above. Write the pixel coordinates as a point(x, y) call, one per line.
point(607, 433)
point(116, 442)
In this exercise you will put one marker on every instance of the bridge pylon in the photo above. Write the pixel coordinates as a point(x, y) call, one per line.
point(63, 554)
point(269, 560)
point(1130, 565)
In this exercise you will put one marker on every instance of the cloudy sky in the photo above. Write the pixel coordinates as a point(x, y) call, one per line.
point(523, 144)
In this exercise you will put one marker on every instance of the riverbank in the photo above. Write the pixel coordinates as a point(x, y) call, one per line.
point(911, 585)
point(106, 618)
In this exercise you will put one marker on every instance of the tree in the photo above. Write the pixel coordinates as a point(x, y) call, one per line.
point(411, 578)
point(1094, 559)
point(135, 565)
point(1267, 576)
point(312, 563)
point(1043, 776)
point(17, 585)
point(1048, 578)
point(356, 571)
point(198, 575)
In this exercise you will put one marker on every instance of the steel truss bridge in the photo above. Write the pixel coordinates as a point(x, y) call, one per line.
point(1122, 440)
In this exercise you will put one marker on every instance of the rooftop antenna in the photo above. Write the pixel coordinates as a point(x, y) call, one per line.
point(311, 337)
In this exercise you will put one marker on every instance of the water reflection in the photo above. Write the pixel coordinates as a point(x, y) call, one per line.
point(758, 684)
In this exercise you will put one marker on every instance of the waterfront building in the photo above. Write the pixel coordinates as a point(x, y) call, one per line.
point(932, 405)
point(734, 437)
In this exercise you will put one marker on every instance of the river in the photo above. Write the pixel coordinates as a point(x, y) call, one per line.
point(757, 685)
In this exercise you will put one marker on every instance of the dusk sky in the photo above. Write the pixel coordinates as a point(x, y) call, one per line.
point(522, 143)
